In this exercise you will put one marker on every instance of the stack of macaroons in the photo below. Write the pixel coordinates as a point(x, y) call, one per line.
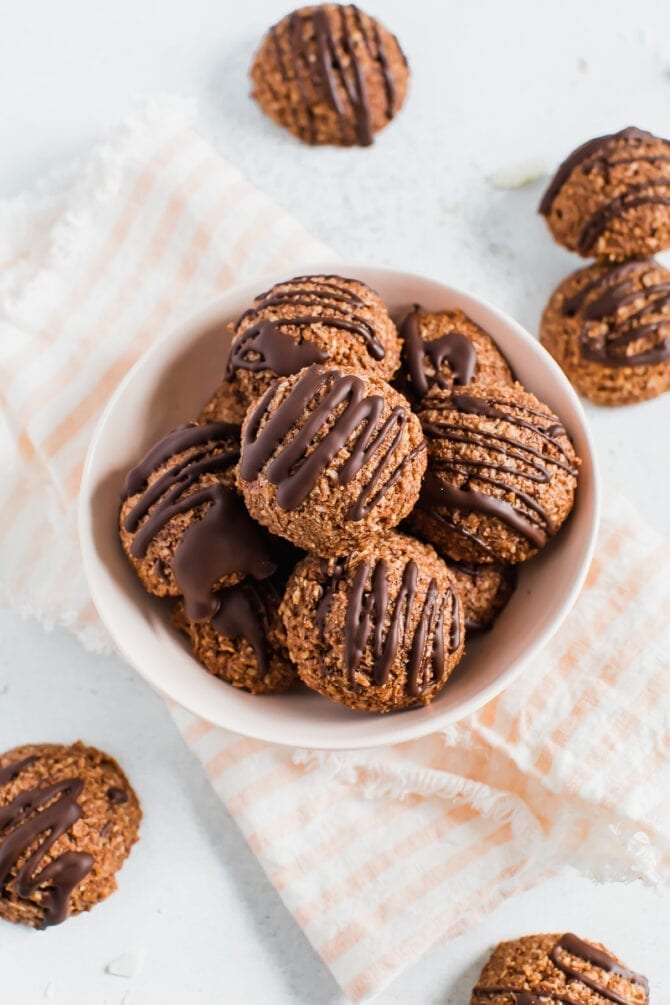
point(279, 537)
point(608, 325)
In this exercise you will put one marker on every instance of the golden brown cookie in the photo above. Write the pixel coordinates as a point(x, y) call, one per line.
point(68, 819)
point(223, 406)
point(502, 475)
point(183, 524)
point(543, 969)
point(330, 459)
point(611, 198)
point(379, 630)
point(245, 641)
point(305, 320)
point(484, 590)
point(330, 74)
point(608, 327)
point(446, 349)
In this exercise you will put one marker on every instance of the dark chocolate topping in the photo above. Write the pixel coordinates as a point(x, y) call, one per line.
point(223, 540)
point(583, 155)
point(244, 612)
point(594, 156)
point(12, 771)
point(263, 346)
point(176, 442)
point(341, 83)
point(295, 465)
point(526, 516)
point(116, 795)
point(599, 302)
point(453, 348)
point(48, 813)
point(371, 623)
point(574, 946)
point(644, 194)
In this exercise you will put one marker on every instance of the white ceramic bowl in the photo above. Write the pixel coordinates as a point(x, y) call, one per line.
point(168, 386)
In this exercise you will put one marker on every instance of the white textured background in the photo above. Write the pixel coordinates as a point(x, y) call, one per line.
point(495, 85)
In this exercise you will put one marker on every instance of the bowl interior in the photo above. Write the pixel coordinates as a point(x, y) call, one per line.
point(168, 386)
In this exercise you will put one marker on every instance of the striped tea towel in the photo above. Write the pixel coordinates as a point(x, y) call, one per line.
point(378, 855)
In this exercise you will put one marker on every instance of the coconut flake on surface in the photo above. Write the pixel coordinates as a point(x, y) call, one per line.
point(126, 965)
point(518, 176)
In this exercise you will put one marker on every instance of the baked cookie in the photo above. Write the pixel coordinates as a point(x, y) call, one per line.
point(331, 458)
point(542, 969)
point(330, 74)
point(68, 819)
point(484, 591)
point(446, 349)
point(183, 524)
point(306, 320)
point(245, 641)
point(611, 198)
point(608, 327)
point(502, 475)
point(379, 630)
point(223, 406)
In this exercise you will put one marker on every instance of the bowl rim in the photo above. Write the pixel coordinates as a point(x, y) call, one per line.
point(215, 311)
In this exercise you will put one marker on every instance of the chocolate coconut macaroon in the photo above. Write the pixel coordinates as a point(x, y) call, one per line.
point(68, 819)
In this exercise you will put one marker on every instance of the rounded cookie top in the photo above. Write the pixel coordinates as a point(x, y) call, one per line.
point(68, 819)
point(309, 319)
point(502, 474)
point(539, 969)
point(330, 74)
point(609, 329)
point(244, 643)
point(183, 524)
point(446, 349)
point(484, 590)
point(611, 198)
point(331, 458)
point(223, 405)
point(378, 630)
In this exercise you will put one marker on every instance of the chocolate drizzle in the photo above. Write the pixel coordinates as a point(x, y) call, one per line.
point(177, 441)
point(378, 622)
point(48, 813)
point(574, 946)
point(116, 795)
point(321, 428)
point(452, 348)
point(599, 302)
point(265, 347)
point(223, 540)
point(327, 300)
point(340, 82)
point(592, 156)
point(636, 195)
point(525, 516)
point(244, 612)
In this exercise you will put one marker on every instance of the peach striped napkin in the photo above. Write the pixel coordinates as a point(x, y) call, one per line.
point(378, 855)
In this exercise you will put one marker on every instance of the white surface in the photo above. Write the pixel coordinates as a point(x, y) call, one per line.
point(546, 590)
point(495, 85)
